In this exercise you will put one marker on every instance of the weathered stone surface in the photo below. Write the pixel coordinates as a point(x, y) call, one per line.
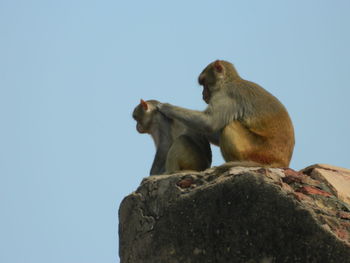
point(337, 178)
point(235, 215)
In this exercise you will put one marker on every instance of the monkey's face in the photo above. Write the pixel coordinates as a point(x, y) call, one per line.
point(140, 128)
point(143, 115)
point(207, 80)
point(140, 117)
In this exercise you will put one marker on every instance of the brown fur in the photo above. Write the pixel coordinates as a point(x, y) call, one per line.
point(246, 121)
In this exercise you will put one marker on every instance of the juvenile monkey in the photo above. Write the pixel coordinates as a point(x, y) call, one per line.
point(177, 148)
point(248, 123)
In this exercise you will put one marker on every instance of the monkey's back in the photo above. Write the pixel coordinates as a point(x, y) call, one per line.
point(188, 151)
point(198, 140)
point(264, 131)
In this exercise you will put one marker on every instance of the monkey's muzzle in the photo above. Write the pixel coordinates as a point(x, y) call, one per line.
point(206, 94)
point(139, 128)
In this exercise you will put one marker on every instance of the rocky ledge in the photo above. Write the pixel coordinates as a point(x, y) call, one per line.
point(237, 214)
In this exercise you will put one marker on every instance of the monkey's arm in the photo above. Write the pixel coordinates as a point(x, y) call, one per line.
point(158, 166)
point(191, 118)
point(201, 121)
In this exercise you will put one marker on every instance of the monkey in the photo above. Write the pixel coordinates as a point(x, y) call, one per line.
point(177, 148)
point(248, 123)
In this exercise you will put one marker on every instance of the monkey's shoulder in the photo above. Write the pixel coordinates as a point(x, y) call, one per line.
point(248, 89)
point(251, 94)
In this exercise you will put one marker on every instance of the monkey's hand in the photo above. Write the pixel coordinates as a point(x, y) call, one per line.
point(166, 109)
point(159, 105)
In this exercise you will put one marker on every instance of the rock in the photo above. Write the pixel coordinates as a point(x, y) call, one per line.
point(237, 215)
point(336, 178)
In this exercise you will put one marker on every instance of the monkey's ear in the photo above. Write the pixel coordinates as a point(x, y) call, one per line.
point(218, 66)
point(144, 104)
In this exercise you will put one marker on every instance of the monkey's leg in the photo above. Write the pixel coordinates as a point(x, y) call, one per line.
point(172, 161)
point(185, 154)
point(236, 142)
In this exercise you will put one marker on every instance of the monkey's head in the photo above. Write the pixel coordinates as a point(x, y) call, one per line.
point(143, 115)
point(214, 75)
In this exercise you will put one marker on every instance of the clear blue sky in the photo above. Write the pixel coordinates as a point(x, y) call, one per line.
point(71, 73)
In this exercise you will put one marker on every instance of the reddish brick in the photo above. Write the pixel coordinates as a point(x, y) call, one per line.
point(292, 179)
point(300, 196)
point(185, 183)
point(291, 172)
point(342, 233)
point(309, 190)
point(344, 215)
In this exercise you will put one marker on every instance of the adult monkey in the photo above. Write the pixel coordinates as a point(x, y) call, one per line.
point(248, 123)
point(177, 147)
